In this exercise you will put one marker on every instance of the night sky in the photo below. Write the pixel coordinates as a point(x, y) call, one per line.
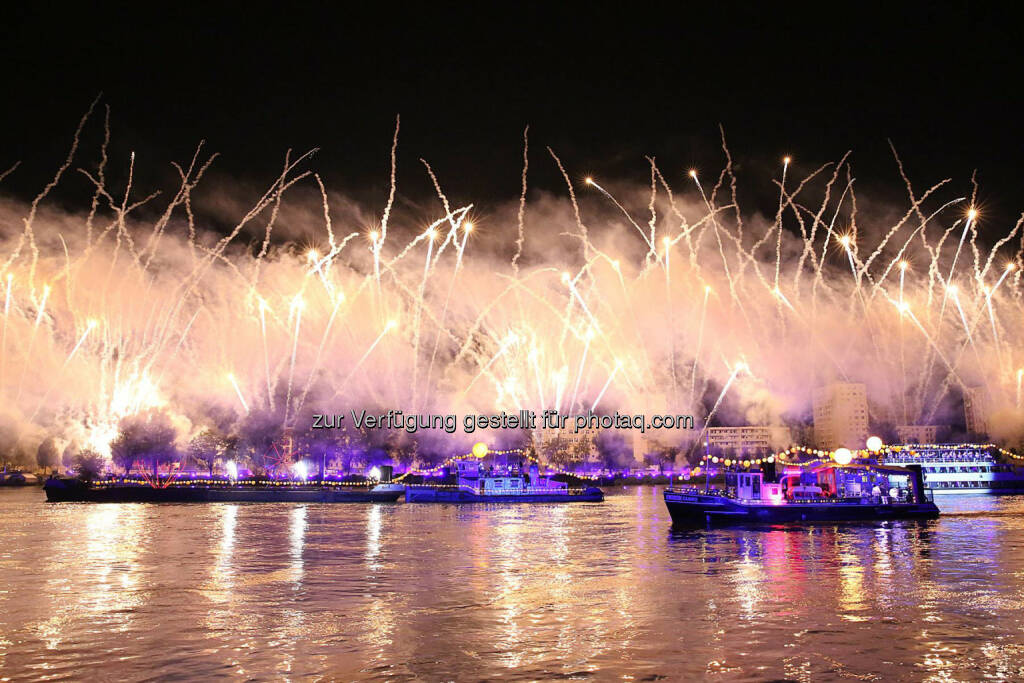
point(603, 85)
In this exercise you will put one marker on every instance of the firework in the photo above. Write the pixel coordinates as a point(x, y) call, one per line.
point(562, 306)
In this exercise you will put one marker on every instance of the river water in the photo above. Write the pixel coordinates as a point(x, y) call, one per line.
point(531, 592)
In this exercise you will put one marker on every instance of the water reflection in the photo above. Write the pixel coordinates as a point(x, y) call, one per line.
point(358, 592)
point(222, 575)
point(373, 524)
point(296, 544)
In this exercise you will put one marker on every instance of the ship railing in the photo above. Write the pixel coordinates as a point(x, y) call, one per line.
point(835, 500)
point(698, 491)
point(519, 491)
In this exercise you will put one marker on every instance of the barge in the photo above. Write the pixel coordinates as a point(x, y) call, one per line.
point(827, 493)
point(62, 490)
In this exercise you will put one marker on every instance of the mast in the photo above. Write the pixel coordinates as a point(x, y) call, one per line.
point(707, 468)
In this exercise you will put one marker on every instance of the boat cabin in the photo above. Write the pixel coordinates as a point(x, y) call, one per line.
point(501, 484)
point(827, 481)
point(503, 481)
point(752, 486)
point(469, 469)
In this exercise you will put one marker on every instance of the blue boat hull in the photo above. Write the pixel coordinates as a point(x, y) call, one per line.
point(688, 509)
point(429, 494)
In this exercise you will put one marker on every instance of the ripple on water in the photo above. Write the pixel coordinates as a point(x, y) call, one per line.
point(404, 592)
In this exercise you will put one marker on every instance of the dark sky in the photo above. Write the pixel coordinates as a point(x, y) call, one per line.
point(602, 84)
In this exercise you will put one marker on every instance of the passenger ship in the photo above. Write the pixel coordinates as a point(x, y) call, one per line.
point(960, 468)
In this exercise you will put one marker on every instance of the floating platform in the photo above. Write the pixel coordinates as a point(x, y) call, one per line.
point(74, 490)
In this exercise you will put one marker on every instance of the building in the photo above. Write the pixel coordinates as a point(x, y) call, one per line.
point(976, 411)
point(749, 439)
point(921, 433)
point(841, 415)
point(567, 445)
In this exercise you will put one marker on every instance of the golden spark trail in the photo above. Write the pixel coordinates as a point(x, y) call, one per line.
point(460, 250)
point(739, 366)
point(615, 370)
point(238, 391)
point(431, 235)
point(32, 339)
point(266, 352)
point(88, 328)
point(298, 304)
point(319, 351)
point(700, 341)
point(592, 183)
point(1020, 377)
point(588, 335)
point(778, 222)
point(3, 344)
point(344, 383)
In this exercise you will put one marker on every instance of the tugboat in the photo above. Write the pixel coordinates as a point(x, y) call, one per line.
point(824, 493)
point(476, 486)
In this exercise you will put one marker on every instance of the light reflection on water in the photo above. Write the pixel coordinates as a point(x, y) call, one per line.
point(531, 592)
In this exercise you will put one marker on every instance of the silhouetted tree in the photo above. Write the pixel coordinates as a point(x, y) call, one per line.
point(67, 458)
point(8, 440)
point(148, 436)
point(260, 430)
point(207, 446)
point(47, 455)
point(89, 464)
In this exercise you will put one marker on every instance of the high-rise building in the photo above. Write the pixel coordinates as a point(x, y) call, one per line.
point(920, 433)
point(749, 439)
point(841, 415)
point(976, 410)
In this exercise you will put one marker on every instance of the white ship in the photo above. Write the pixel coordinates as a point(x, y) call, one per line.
point(960, 468)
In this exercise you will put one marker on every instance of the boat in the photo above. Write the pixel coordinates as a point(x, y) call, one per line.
point(474, 485)
point(64, 490)
point(16, 478)
point(959, 468)
point(819, 493)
